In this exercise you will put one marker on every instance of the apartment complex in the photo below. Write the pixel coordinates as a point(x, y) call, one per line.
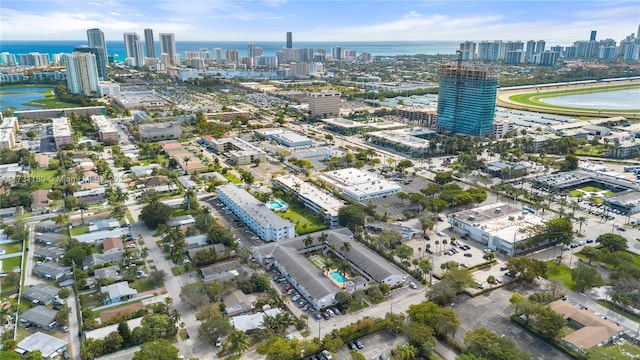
point(360, 185)
point(105, 128)
point(160, 131)
point(318, 200)
point(82, 72)
point(467, 99)
point(264, 222)
point(8, 129)
point(237, 150)
point(62, 133)
point(95, 38)
point(416, 115)
point(324, 103)
point(413, 141)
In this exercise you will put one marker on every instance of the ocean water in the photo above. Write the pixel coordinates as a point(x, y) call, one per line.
point(269, 48)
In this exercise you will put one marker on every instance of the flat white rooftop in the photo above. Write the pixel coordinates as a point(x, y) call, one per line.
point(322, 198)
point(61, 127)
point(254, 208)
point(105, 125)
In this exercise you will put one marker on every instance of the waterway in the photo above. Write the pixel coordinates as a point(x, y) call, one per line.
point(16, 97)
point(607, 100)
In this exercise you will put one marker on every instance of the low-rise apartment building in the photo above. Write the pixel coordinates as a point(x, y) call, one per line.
point(318, 200)
point(239, 151)
point(160, 131)
point(264, 222)
point(360, 185)
point(62, 133)
point(105, 128)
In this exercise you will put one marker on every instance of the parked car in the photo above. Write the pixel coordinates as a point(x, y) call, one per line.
point(359, 344)
point(413, 285)
point(468, 254)
point(589, 241)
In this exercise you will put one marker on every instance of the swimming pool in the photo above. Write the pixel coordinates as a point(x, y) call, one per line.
point(277, 205)
point(339, 278)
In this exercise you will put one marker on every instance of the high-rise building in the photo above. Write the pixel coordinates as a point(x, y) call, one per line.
point(468, 50)
point(336, 52)
point(530, 50)
point(467, 100)
point(168, 44)
point(250, 52)
point(325, 102)
point(33, 59)
point(593, 35)
point(138, 53)
point(82, 73)
point(540, 45)
point(100, 62)
point(149, 43)
point(129, 47)
point(8, 59)
point(289, 40)
point(548, 58)
point(95, 38)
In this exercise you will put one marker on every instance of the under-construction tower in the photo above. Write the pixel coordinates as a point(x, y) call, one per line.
point(467, 99)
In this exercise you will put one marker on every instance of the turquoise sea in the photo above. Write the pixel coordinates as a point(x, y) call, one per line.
point(269, 48)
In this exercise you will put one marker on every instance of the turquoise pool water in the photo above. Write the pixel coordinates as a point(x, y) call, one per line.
point(277, 205)
point(339, 278)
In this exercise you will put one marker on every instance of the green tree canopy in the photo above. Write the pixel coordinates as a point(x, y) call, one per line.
point(351, 216)
point(613, 242)
point(159, 349)
point(155, 213)
point(486, 344)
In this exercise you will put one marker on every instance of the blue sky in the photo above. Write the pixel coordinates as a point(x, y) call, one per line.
point(312, 20)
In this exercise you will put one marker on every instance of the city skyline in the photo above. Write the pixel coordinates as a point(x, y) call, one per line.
point(270, 20)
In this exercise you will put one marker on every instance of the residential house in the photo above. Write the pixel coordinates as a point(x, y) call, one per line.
point(591, 330)
point(228, 271)
point(50, 346)
point(101, 259)
point(98, 236)
point(109, 272)
point(236, 303)
point(92, 196)
point(254, 321)
point(49, 226)
point(174, 203)
point(112, 245)
point(196, 241)
point(118, 292)
point(186, 182)
point(50, 253)
point(40, 316)
point(49, 239)
point(40, 203)
point(42, 294)
point(181, 222)
point(51, 271)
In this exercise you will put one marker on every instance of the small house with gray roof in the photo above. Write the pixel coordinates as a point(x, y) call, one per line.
point(50, 253)
point(101, 259)
point(50, 239)
point(41, 317)
point(49, 346)
point(42, 294)
point(51, 271)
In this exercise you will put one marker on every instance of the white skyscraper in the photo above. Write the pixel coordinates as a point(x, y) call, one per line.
point(8, 59)
point(82, 73)
point(168, 44)
point(129, 44)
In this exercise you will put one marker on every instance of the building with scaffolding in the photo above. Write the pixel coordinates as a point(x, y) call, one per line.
point(467, 99)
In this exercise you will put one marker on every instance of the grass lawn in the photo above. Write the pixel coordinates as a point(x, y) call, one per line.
point(234, 179)
point(127, 213)
point(183, 334)
point(591, 189)
point(43, 179)
point(560, 272)
point(142, 285)
point(591, 150)
point(626, 314)
point(611, 351)
point(576, 193)
point(9, 263)
point(79, 230)
point(305, 221)
point(12, 248)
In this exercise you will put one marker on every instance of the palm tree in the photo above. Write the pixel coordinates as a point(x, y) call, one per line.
point(581, 220)
point(247, 178)
point(185, 161)
point(238, 342)
point(324, 237)
point(283, 320)
point(82, 207)
point(61, 219)
point(343, 267)
point(346, 247)
point(437, 244)
point(308, 241)
point(327, 266)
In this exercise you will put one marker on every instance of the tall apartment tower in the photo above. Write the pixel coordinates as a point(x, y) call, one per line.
point(467, 100)
point(100, 63)
point(250, 50)
point(336, 52)
point(168, 45)
point(593, 35)
point(530, 49)
point(129, 44)
point(468, 50)
point(95, 38)
point(149, 43)
point(289, 40)
point(540, 46)
point(82, 73)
